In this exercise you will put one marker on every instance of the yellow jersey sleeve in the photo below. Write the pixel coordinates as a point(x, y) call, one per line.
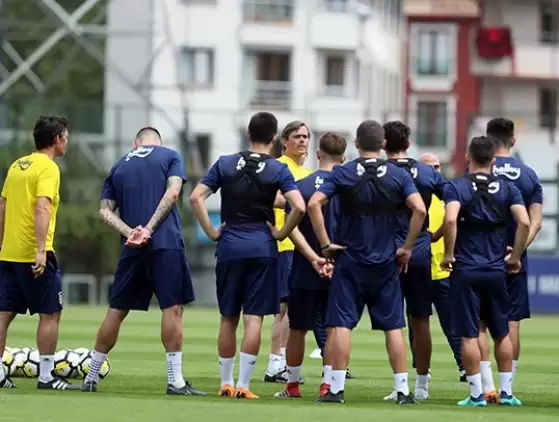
point(436, 217)
point(298, 172)
point(48, 181)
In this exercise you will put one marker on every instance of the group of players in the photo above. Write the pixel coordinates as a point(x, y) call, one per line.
point(360, 237)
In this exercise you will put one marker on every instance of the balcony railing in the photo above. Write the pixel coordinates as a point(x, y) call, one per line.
point(270, 94)
point(271, 11)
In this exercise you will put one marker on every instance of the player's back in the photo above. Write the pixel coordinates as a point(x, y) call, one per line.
point(368, 225)
point(139, 181)
point(28, 178)
point(247, 203)
point(428, 182)
point(482, 221)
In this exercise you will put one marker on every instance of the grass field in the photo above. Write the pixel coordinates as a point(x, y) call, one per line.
point(134, 391)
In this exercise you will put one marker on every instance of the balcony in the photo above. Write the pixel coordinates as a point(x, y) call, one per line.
point(271, 95)
point(335, 14)
point(268, 22)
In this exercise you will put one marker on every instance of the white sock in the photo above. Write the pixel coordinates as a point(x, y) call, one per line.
point(514, 369)
point(226, 368)
point(274, 364)
point(327, 377)
point(46, 367)
point(174, 370)
point(505, 381)
point(486, 377)
point(246, 366)
point(401, 383)
point(2, 374)
point(338, 381)
point(422, 382)
point(97, 361)
point(475, 385)
point(293, 373)
point(283, 363)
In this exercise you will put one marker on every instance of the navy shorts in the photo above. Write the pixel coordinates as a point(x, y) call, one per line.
point(519, 302)
point(475, 296)
point(355, 286)
point(247, 285)
point(163, 272)
point(21, 291)
point(419, 291)
point(285, 263)
point(305, 306)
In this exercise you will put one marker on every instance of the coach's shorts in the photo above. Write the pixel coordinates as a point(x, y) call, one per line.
point(519, 302)
point(163, 272)
point(475, 296)
point(305, 306)
point(355, 286)
point(419, 291)
point(247, 285)
point(21, 291)
point(285, 263)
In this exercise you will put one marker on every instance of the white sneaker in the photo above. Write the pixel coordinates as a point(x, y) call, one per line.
point(421, 394)
point(392, 396)
point(316, 354)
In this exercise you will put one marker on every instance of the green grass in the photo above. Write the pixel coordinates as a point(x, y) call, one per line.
point(134, 389)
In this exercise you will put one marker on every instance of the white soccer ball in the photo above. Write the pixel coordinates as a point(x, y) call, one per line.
point(66, 362)
point(31, 365)
point(7, 361)
point(16, 367)
point(86, 362)
point(82, 352)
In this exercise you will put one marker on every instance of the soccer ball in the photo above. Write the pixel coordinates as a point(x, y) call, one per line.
point(82, 352)
point(16, 368)
point(7, 361)
point(86, 361)
point(66, 363)
point(31, 365)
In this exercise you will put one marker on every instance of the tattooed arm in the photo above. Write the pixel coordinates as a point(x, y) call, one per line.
point(111, 218)
point(170, 198)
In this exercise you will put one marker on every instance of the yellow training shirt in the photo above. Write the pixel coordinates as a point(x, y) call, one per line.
point(436, 217)
point(298, 172)
point(28, 178)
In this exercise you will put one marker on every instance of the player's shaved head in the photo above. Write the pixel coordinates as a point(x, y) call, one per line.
point(431, 160)
point(148, 135)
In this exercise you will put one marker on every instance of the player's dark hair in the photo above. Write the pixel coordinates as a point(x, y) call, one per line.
point(397, 136)
point(293, 126)
point(148, 130)
point(263, 127)
point(501, 130)
point(332, 144)
point(46, 129)
point(370, 135)
point(482, 150)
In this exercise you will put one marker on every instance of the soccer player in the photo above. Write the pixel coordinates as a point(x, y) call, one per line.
point(366, 269)
point(308, 294)
point(139, 201)
point(247, 254)
point(417, 286)
point(29, 273)
point(501, 131)
point(295, 137)
point(478, 210)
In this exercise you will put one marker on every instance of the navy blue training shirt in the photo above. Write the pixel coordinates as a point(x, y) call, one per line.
point(246, 234)
point(137, 182)
point(369, 239)
point(527, 182)
point(482, 249)
point(303, 275)
point(428, 182)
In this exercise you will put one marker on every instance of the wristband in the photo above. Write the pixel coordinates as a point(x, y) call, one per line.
point(325, 246)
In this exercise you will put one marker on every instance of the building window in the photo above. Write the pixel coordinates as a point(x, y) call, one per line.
point(432, 124)
point(267, 79)
point(548, 108)
point(278, 11)
point(432, 56)
point(339, 74)
point(549, 22)
point(198, 65)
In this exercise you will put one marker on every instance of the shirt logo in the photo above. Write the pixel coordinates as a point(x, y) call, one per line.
point(381, 170)
point(242, 163)
point(492, 188)
point(24, 164)
point(318, 182)
point(508, 171)
point(140, 152)
point(414, 172)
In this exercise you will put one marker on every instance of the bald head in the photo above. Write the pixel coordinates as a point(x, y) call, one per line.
point(431, 160)
point(148, 136)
